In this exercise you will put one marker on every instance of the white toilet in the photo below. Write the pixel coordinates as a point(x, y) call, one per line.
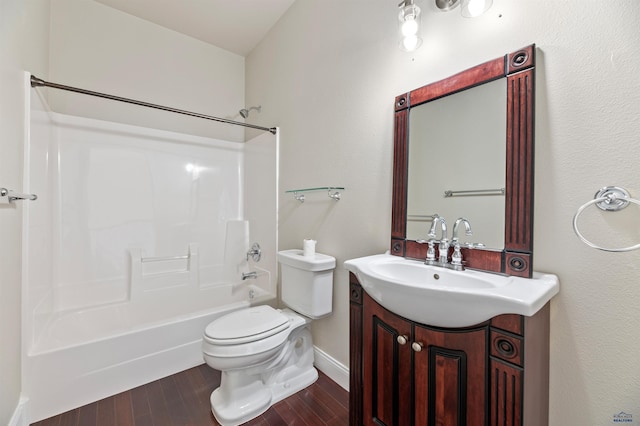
point(266, 354)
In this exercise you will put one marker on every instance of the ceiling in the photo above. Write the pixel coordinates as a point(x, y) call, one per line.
point(233, 25)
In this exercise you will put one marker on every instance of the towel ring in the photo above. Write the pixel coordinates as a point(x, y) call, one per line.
point(609, 198)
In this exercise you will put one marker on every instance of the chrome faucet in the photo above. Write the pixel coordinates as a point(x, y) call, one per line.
point(456, 225)
point(247, 275)
point(443, 248)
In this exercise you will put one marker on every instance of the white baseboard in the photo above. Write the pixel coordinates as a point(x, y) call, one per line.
point(19, 417)
point(335, 370)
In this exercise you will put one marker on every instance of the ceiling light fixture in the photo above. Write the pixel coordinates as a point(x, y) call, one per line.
point(469, 8)
point(409, 26)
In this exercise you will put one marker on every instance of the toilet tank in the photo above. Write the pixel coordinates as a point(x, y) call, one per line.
point(307, 282)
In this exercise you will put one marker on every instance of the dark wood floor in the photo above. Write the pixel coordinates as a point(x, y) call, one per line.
point(183, 399)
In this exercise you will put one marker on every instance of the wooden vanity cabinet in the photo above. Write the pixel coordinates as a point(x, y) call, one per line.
point(405, 373)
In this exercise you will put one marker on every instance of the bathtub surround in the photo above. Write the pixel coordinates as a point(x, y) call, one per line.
point(138, 241)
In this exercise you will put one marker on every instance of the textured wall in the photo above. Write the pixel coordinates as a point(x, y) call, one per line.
point(328, 74)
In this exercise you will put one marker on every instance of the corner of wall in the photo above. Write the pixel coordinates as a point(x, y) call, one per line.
point(330, 366)
point(19, 417)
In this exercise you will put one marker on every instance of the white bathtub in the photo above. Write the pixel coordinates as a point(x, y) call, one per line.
point(79, 373)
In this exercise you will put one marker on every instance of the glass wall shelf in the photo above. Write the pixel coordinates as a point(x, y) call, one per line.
point(332, 191)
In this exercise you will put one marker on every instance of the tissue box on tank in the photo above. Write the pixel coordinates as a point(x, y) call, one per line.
point(307, 282)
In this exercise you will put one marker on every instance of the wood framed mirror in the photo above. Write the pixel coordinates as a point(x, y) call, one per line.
point(517, 70)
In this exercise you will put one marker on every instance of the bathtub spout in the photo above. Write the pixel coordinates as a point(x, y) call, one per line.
point(247, 275)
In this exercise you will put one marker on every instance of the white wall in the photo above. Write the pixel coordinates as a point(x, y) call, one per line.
point(24, 29)
point(327, 74)
point(98, 48)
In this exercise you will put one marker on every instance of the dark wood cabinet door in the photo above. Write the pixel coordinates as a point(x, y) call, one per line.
point(506, 394)
point(450, 377)
point(386, 367)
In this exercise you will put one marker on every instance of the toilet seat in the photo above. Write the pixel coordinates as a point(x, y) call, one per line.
point(246, 332)
point(246, 326)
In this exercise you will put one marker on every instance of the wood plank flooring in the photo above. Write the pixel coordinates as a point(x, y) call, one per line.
point(183, 400)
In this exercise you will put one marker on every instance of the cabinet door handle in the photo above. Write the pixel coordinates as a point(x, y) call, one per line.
point(402, 339)
point(417, 346)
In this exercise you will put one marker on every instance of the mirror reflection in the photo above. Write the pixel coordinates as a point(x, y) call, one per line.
point(456, 163)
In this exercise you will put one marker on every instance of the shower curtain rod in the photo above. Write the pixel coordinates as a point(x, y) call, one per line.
point(37, 82)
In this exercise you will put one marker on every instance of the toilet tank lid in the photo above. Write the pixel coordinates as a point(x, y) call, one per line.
point(247, 324)
point(316, 262)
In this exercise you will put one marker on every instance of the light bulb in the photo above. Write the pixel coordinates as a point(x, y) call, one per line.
point(411, 43)
point(475, 8)
point(409, 27)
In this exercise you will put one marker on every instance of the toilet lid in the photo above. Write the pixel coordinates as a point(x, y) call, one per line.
point(246, 325)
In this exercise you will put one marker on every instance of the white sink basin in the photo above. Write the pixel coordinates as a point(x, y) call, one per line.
point(446, 298)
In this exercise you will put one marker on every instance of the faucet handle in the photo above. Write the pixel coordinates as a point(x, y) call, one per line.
point(254, 253)
point(431, 252)
point(443, 251)
point(456, 258)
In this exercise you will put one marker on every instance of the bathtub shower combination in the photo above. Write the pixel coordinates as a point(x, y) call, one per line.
point(137, 241)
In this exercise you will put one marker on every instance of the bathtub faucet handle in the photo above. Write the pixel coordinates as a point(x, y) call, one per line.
point(255, 253)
